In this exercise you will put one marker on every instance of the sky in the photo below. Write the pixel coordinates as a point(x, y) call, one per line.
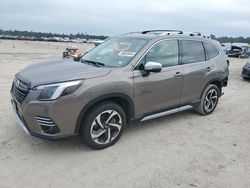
point(114, 17)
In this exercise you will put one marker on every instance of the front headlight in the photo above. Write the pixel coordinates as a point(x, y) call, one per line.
point(53, 91)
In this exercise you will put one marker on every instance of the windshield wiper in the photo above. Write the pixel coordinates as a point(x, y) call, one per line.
point(97, 64)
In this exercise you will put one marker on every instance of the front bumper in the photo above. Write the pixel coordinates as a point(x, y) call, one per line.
point(20, 122)
point(29, 131)
point(63, 112)
point(245, 72)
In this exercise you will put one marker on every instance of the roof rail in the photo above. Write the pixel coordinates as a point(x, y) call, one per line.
point(163, 31)
point(198, 34)
point(133, 32)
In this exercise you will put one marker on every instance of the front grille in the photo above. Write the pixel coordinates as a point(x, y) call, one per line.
point(20, 90)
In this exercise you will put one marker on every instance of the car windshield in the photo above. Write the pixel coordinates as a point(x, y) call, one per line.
point(115, 52)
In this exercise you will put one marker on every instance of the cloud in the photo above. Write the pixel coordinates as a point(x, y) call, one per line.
point(110, 17)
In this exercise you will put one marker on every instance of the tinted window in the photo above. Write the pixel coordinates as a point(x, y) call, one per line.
point(211, 50)
point(165, 52)
point(192, 51)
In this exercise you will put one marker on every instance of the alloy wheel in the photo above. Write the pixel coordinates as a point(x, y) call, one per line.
point(106, 127)
point(211, 100)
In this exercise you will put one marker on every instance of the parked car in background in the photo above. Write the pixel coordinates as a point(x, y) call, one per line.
point(97, 42)
point(245, 53)
point(239, 51)
point(71, 52)
point(246, 71)
point(10, 37)
point(235, 51)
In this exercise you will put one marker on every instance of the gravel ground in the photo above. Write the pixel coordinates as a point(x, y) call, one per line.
point(181, 150)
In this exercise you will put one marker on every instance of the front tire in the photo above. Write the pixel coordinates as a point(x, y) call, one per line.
point(103, 125)
point(245, 78)
point(209, 100)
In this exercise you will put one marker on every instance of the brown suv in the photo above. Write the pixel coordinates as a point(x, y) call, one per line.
point(130, 78)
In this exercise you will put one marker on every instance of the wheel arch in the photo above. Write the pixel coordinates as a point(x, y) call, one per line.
point(216, 82)
point(121, 99)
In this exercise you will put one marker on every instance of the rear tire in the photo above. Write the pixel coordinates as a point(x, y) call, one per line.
point(209, 100)
point(103, 125)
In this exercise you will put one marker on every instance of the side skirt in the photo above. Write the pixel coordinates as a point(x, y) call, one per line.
point(153, 116)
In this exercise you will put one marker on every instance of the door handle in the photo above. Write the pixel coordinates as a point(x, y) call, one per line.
point(177, 74)
point(208, 69)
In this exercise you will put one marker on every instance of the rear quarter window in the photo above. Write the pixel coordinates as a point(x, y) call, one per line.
point(211, 50)
point(192, 51)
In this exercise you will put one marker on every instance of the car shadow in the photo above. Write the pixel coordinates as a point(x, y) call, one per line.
point(63, 144)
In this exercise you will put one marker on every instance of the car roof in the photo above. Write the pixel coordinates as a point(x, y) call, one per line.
point(154, 34)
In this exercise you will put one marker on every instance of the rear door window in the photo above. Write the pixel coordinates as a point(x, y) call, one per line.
point(211, 50)
point(192, 51)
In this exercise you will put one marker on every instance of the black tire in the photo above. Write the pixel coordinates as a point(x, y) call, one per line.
point(245, 79)
point(91, 128)
point(203, 107)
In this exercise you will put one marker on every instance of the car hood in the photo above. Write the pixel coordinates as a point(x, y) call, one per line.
point(59, 71)
point(236, 48)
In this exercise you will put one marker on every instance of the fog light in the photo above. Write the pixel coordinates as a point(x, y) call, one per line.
point(48, 125)
point(50, 129)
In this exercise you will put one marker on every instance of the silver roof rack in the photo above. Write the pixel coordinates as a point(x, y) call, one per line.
point(163, 32)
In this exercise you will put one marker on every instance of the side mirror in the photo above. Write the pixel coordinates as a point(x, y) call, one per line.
point(151, 67)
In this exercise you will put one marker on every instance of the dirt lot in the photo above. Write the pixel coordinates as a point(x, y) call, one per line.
point(181, 150)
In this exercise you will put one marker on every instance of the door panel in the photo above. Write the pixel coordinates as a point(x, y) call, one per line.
point(194, 77)
point(195, 70)
point(158, 91)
